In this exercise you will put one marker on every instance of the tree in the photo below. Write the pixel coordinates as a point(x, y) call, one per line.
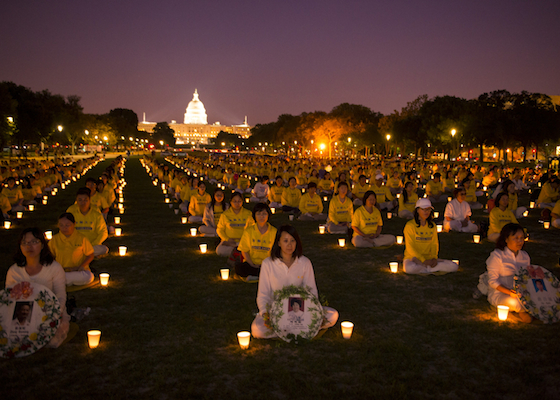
point(124, 123)
point(329, 130)
point(162, 132)
point(8, 116)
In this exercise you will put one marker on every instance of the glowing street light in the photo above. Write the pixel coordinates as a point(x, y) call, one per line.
point(453, 132)
point(59, 127)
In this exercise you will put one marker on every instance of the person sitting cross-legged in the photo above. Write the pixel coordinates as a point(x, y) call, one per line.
point(367, 224)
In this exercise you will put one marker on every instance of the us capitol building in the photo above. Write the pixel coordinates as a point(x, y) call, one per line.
point(195, 129)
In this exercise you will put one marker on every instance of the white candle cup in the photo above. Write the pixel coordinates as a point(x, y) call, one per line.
point(532, 204)
point(439, 228)
point(503, 312)
point(244, 338)
point(400, 239)
point(398, 195)
point(394, 266)
point(273, 210)
point(121, 206)
point(321, 229)
point(48, 235)
point(164, 191)
point(44, 202)
point(176, 211)
point(63, 185)
point(104, 279)
point(167, 199)
point(93, 338)
point(162, 186)
point(7, 224)
point(193, 231)
point(183, 220)
point(225, 274)
point(122, 251)
point(247, 200)
point(347, 327)
point(436, 214)
point(31, 207)
point(291, 217)
point(203, 248)
point(389, 215)
point(19, 215)
point(449, 199)
point(170, 205)
point(526, 213)
point(121, 210)
point(546, 224)
point(342, 242)
point(118, 231)
point(456, 262)
point(325, 198)
point(117, 220)
point(476, 238)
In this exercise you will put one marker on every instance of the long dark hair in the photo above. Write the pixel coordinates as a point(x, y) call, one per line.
point(430, 219)
point(46, 258)
point(507, 231)
point(213, 201)
point(404, 192)
point(276, 251)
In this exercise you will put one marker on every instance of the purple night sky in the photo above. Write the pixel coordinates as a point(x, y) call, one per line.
point(263, 58)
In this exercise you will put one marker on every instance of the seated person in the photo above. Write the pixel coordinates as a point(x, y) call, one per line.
point(471, 196)
point(326, 185)
point(243, 183)
point(260, 191)
point(341, 210)
point(385, 199)
point(286, 266)
point(98, 201)
point(449, 182)
point(89, 221)
point(434, 189)
point(549, 194)
point(422, 244)
point(301, 179)
point(555, 215)
point(503, 264)
point(359, 189)
point(367, 224)
point(212, 213)
point(5, 206)
point(509, 187)
point(275, 193)
point(14, 195)
point(256, 242)
point(291, 197)
point(231, 225)
point(311, 205)
point(394, 183)
point(458, 213)
point(407, 201)
point(499, 217)
point(73, 251)
point(36, 264)
point(30, 191)
point(198, 203)
point(185, 195)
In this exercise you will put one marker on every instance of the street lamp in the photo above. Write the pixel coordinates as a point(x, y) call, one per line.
point(388, 137)
point(453, 132)
point(59, 127)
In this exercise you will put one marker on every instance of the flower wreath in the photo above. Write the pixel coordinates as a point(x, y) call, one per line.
point(523, 279)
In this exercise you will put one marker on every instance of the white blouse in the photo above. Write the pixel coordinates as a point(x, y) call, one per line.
point(457, 210)
point(275, 275)
point(502, 265)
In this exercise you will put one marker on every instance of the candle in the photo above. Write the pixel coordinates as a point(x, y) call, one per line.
point(45, 197)
point(117, 220)
point(176, 211)
point(7, 224)
point(193, 231)
point(341, 242)
point(104, 279)
point(347, 327)
point(449, 198)
point(183, 220)
point(400, 240)
point(546, 224)
point(476, 238)
point(225, 274)
point(121, 210)
point(456, 262)
point(321, 229)
point(31, 207)
point(244, 339)
point(394, 267)
point(155, 183)
point(93, 338)
point(164, 191)
point(503, 312)
point(246, 200)
point(121, 206)
point(63, 185)
point(526, 213)
point(439, 228)
point(273, 210)
point(532, 204)
point(122, 251)
point(44, 202)
point(398, 195)
point(48, 235)
point(19, 215)
point(163, 186)
point(167, 199)
point(539, 184)
point(291, 217)
point(436, 214)
point(325, 198)
point(203, 248)
point(389, 215)
point(170, 205)
point(118, 231)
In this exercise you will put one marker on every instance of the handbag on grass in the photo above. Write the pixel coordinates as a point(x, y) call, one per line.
point(235, 258)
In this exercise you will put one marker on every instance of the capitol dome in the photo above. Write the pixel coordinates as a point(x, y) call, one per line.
point(196, 113)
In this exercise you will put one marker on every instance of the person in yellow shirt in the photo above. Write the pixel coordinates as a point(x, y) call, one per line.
point(185, 196)
point(301, 179)
point(549, 194)
point(291, 197)
point(360, 188)
point(422, 244)
point(73, 251)
point(89, 221)
point(243, 183)
point(471, 198)
point(449, 182)
point(500, 216)
point(367, 224)
point(98, 201)
point(326, 185)
point(275, 193)
point(311, 205)
point(509, 187)
point(341, 210)
point(198, 204)
point(14, 195)
point(434, 189)
point(394, 183)
point(313, 177)
point(407, 201)
point(231, 225)
point(385, 199)
point(555, 215)
point(256, 243)
point(490, 180)
point(5, 206)
point(212, 214)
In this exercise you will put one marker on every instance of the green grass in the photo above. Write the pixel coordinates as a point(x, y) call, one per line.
point(169, 323)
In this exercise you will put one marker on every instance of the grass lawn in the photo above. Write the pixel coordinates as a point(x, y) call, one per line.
point(169, 323)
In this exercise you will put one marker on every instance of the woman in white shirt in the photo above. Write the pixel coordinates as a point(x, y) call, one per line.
point(457, 214)
point(285, 266)
point(504, 262)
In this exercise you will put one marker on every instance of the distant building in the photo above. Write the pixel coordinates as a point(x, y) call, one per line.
point(195, 129)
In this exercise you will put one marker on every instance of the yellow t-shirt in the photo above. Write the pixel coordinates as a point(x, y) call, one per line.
point(340, 212)
point(434, 188)
point(99, 201)
point(256, 244)
point(410, 205)
point(198, 203)
point(232, 225)
point(243, 182)
point(547, 194)
point(5, 203)
point(499, 218)
point(275, 194)
point(186, 193)
point(310, 205)
point(359, 190)
point(301, 180)
point(382, 193)
point(71, 251)
point(325, 184)
point(367, 222)
point(556, 209)
point(291, 197)
point(512, 204)
point(92, 225)
point(471, 194)
point(420, 242)
point(14, 195)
